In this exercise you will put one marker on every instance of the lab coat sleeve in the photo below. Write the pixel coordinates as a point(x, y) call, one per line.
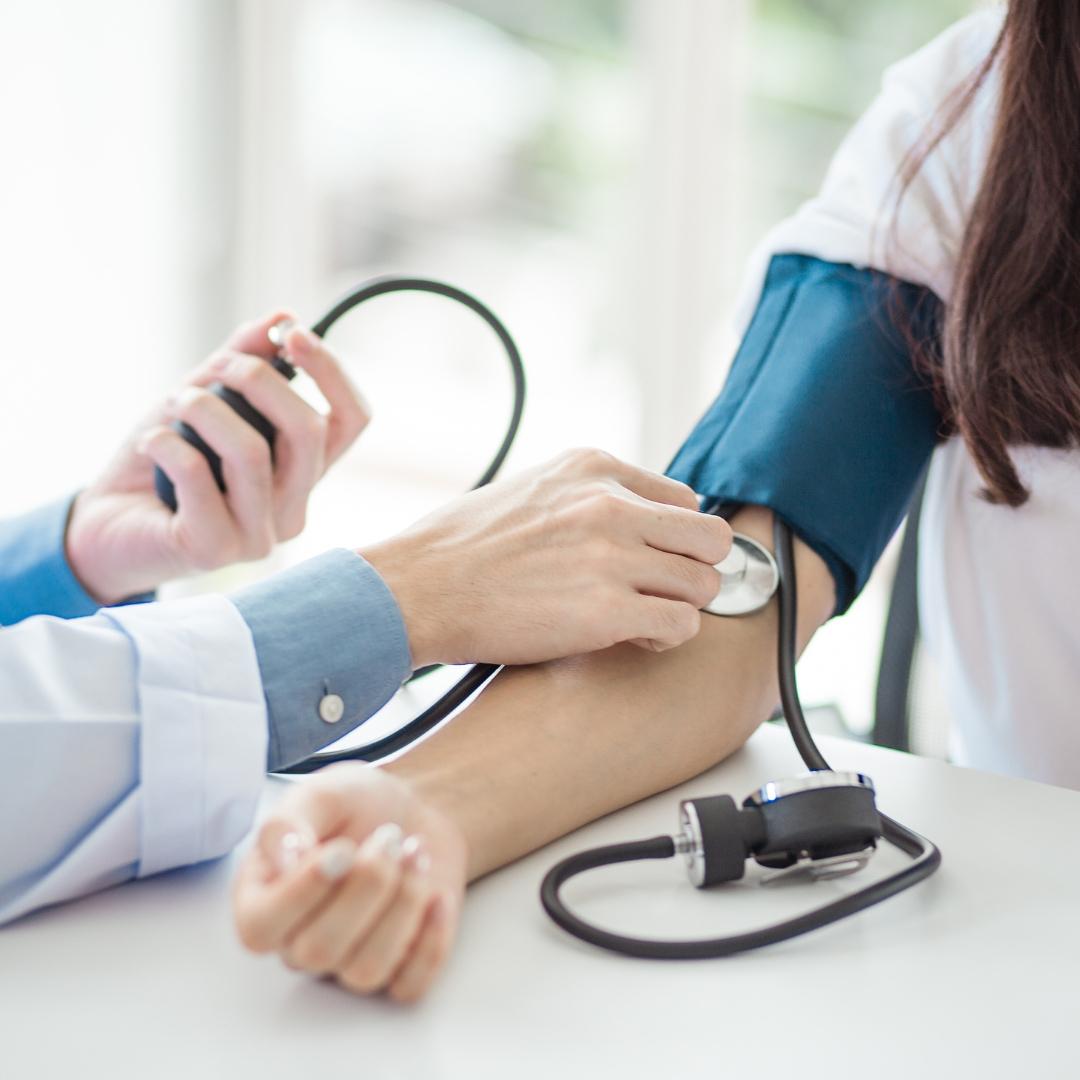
point(35, 578)
point(132, 741)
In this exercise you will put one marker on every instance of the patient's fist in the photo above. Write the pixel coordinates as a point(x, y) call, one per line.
point(354, 877)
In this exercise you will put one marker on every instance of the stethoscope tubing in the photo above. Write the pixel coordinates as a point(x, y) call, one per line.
point(926, 857)
point(478, 674)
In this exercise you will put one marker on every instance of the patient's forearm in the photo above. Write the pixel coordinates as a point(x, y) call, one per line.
point(549, 747)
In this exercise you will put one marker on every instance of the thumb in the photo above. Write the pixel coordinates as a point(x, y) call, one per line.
point(252, 337)
point(309, 814)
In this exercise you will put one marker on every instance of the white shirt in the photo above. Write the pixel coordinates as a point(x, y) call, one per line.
point(134, 740)
point(999, 588)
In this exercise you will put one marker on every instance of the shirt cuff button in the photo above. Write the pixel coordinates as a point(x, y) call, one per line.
point(331, 708)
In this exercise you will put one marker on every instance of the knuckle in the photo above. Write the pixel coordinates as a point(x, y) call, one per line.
point(190, 466)
point(596, 461)
point(708, 584)
point(193, 404)
point(221, 554)
point(587, 460)
point(607, 506)
point(248, 372)
point(292, 524)
point(602, 614)
point(322, 801)
point(259, 547)
point(404, 992)
point(253, 453)
point(374, 873)
point(689, 497)
point(311, 953)
point(685, 621)
point(599, 552)
point(718, 535)
point(313, 428)
point(254, 935)
point(362, 976)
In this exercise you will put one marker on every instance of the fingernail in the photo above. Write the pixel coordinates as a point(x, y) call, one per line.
point(387, 838)
point(337, 858)
point(414, 854)
point(289, 849)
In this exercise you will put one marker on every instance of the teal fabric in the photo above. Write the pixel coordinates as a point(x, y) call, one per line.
point(823, 417)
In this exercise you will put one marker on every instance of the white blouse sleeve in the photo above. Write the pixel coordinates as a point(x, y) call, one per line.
point(856, 217)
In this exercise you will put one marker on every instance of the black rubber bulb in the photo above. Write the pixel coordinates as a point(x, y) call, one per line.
point(239, 404)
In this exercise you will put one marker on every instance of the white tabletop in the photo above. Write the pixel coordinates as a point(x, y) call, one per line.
point(973, 974)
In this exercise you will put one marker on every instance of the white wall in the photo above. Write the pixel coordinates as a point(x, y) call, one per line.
point(102, 251)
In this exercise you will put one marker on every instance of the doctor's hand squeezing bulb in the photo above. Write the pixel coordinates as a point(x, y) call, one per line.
point(240, 405)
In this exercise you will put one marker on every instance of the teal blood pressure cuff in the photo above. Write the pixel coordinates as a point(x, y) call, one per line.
point(823, 417)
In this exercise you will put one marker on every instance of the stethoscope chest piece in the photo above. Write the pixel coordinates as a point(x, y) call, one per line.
point(749, 579)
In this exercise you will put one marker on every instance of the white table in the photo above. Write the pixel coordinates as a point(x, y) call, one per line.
point(973, 974)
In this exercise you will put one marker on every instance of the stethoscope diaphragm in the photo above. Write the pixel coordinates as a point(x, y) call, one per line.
point(749, 579)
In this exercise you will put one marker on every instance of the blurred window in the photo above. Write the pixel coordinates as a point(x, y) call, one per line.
point(596, 170)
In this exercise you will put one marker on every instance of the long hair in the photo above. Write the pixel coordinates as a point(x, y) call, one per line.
point(1008, 372)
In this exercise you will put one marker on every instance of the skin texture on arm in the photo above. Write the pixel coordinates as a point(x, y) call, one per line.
point(550, 747)
point(542, 751)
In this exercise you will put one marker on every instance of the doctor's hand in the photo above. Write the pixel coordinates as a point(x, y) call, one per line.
point(570, 557)
point(121, 540)
point(355, 878)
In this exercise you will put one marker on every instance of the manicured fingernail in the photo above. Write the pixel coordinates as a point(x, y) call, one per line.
point(337, 858)
point(387, 838)
point(290, 847)
point(413, 854)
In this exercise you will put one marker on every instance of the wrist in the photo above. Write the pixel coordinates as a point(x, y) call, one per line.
point(445, 799)
point(83, 561)
point(400, 564)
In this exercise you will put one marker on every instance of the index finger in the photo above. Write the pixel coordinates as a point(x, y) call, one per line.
point(655, 487)
point(704, 537)
point(349, 412)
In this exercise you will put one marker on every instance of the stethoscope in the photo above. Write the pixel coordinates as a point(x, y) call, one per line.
point(821, 825)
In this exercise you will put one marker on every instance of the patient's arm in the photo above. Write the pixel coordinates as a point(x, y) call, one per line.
point(549, 747)
point(336, 891)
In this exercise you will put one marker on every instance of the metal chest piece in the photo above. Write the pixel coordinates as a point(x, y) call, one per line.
point(749, 579)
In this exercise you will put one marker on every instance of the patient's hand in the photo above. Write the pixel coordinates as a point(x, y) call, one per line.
point(354, 877)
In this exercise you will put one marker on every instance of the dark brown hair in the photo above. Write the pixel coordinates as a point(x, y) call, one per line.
point(1008, 369)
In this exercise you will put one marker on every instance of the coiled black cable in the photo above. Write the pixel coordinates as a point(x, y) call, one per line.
point(926, 857)
point(479, 674)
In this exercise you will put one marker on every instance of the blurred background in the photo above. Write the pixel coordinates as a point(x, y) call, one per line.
point(596, 170)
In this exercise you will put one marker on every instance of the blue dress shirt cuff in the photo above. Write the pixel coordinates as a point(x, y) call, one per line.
point(35, 578)
point(332, 650)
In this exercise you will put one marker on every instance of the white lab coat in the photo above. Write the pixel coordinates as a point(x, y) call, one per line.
point(130, 742)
